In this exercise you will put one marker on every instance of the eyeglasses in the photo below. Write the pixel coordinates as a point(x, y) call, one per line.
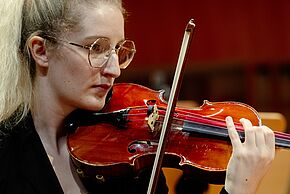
point(100, 51)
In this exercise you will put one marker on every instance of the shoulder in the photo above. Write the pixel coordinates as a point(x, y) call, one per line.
point(14, 134)
point(7, 153)
point(6, 135)
point(12, 139)
point(9, 139)
point(11, 148)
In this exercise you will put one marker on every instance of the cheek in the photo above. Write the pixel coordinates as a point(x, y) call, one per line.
point(69, 74)
point(71, 79)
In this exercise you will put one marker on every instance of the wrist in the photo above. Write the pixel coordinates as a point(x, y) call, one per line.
point(238, 188)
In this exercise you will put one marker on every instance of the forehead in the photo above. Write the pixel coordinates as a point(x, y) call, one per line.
point(105, 20)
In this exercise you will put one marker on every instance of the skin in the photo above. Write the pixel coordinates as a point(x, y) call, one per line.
point(65, 81)
point(251, 159)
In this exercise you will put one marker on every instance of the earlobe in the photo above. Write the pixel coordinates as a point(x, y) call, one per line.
point(38, 50)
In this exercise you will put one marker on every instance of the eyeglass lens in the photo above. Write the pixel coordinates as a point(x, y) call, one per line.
point(101, 50)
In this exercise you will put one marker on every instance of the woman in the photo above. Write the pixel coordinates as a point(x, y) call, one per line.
point(58, 56)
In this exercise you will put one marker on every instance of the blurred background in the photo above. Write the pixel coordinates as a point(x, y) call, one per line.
point(240, 52)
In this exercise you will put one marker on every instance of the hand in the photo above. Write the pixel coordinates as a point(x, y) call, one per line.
point(251, 159)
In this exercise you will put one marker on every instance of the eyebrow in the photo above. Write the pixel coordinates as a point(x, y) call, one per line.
point(93, 38)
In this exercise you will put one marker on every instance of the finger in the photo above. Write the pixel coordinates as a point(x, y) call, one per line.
point(249, 132)
point(233, 134)
point(259, 137)
point(269, 138)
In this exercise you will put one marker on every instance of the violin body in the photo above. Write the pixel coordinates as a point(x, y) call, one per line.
point(105, 147)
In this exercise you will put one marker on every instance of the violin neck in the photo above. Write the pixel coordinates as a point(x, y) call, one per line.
point(282, 140)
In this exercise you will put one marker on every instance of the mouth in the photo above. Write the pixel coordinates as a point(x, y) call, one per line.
point(103, 87)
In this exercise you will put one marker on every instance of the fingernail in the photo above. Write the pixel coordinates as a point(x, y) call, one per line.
point(229, 118)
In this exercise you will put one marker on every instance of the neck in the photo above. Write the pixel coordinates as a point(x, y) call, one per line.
point(48, 116)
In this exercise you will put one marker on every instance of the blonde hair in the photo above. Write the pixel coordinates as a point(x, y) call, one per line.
point(19, 21)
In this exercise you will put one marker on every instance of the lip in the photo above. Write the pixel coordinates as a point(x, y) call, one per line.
point(104, 87)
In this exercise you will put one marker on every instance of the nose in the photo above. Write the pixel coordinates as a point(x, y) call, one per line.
point(111, 67)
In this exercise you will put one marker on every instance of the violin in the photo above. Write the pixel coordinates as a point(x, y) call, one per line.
point(137, 129)
point(121, 140)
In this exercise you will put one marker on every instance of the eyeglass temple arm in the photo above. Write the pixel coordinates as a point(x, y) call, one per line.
point(78, 45)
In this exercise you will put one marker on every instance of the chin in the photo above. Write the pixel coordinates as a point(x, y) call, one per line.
point(95, 105)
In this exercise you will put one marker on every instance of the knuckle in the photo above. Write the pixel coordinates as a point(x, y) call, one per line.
point(263, 155)
point(268, 131)
point(250, 130)
point(245, 155)
point(266, 156)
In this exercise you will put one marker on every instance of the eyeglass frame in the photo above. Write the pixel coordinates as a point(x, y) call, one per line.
point(89, 47)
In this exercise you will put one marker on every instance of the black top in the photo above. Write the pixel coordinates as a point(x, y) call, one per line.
point(26, 168)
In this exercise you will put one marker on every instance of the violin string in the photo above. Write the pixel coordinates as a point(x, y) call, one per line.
point(200, 128)
point(192, 116)
point(278, 135)
point(180, 113)
point(162, 109)
point(222, 132)
point(175, 119)
point(282, 135)
point(177, 123)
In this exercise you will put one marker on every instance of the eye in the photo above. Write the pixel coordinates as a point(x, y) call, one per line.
point(100, 46)
point(117, 47)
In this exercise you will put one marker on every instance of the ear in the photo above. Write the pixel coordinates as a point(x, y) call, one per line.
point(38, 50)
